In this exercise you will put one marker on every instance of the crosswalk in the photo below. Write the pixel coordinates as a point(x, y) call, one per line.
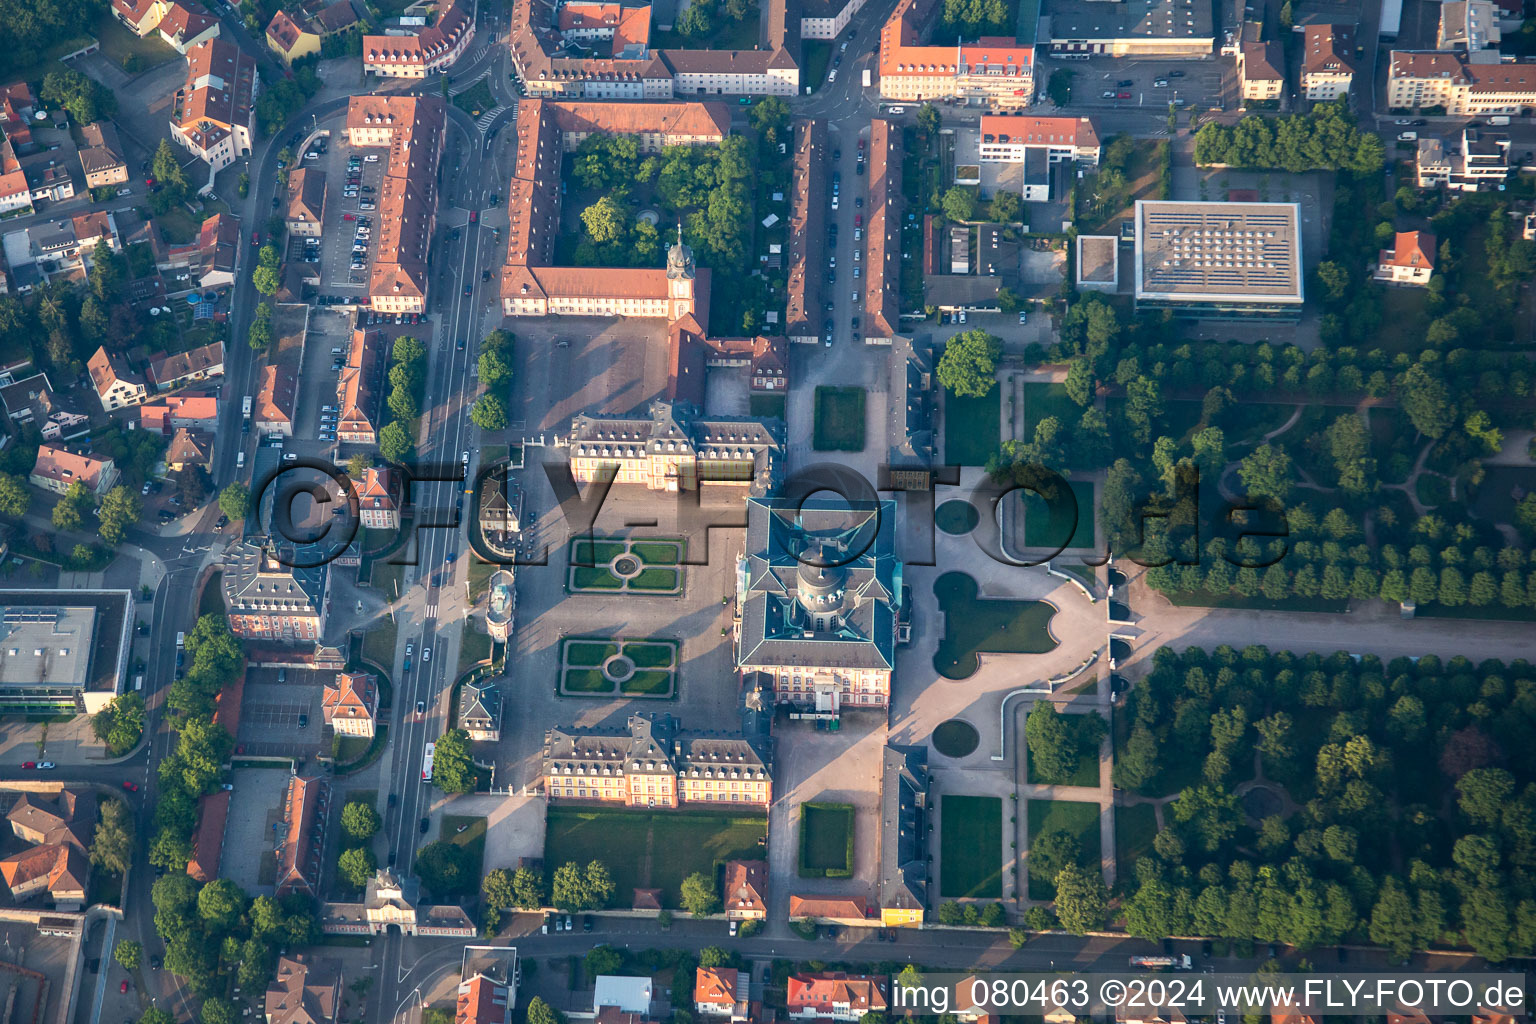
point(431, 611)
point(484, 121)
point(465, 86)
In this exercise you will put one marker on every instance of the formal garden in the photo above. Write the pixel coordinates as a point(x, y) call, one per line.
point(975, 625)
point(970, 847)
point(607, 667)
point(1061, 833)
point(618, 565)
point(826, 840)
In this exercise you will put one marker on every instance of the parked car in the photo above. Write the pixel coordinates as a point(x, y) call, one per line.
point(29, 764)
point(426, 823)
point(44, 766)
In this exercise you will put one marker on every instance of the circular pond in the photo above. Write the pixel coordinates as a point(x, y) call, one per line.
point(956, 516)
point(625, 567)
point(956, 738)
point(619, 669)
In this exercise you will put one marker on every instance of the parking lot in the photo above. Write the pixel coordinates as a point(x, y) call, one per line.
point(353, 178)
point(255, 806)
point(1122, 83)
point(275, 704)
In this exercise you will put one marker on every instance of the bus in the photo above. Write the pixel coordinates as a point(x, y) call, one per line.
point(426, 762)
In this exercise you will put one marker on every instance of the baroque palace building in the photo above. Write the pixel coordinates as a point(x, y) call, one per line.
point(654, 764)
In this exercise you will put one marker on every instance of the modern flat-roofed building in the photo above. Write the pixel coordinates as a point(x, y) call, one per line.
point(62, 651)
point(1098, 262)
point(1154, 28)
point(1219, 259)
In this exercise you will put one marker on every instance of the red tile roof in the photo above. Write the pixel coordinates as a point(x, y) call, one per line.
point(823, 991)
point(715, 985)
point(208, 840)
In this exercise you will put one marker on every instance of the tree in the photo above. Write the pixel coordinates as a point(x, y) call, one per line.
point(15, 499)
point(120, 508)
point(129, 954)
point(266, 280)
point(260, 336)
point(598, 882)
point(606, 221)
point(120, 724)
point(359, 821)
point(928, 119)
point(1426, 401)
point(603, 959)
point(220, 904)
point(445, 868)
point(499, 889)
point(216, 1010)
point(66, 514)
point(540, 1012)
point(394, 443)
point(112, 844)
point(1266, 472)
point(771, 119)
point(493, 368)
point(356, 865)
point(959, 203)
point(1007, 208)
point(527, 889)
point(235, 502)
point(714, 956)
point(452, 769)
point(968, 366)
point(155, 1015)
point(1052, 745)
point(698, 895)
point(1079, 382)
point(83, 98)
point(568, 890)
point(489, 413)
point(1082, 901)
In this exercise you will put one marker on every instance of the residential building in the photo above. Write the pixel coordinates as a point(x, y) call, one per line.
point(487, 986)
point(291, 39)
point(359, 390)
point(15, 193)
point(306, 202)
point(379, 499)
point(807, 232)
point(432, 50)
point(1219, 259)
point(819, 602)
point(170, 373)
point(1469, 26)
point(307, 990)
point(192, 410)
point(387, 900)
point(188, 449)
point(214, 112)
point(275, 397)
point(996, 71)
point(57, 468)
point(182, 24)
point(676, 450)
point(60, 832)
point(720, 992)
point(1009, 139)
point(1482, 163)
point(826, 19)
point(264, 599)
point(1433, 165)
point(301, 839)
point(1261, 70)
point(32, 400)
point(1464, 85)
point(411, 128)
point(653, 764)
point(882, 233)
point(835, 995)
point(904, 816)
point(1411, 260)
point(746, 890)
point(1285, 1011)
point(1328, 61)
point(350, 704)
point(627, 995)
point(480, 712)
point(849, 910)
point(101, 155)
point(17, 105)
point(207, 262)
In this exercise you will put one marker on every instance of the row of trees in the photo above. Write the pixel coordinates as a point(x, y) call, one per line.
point(216, 934)
point(1415, 789)
point(359, 824)
point(407, 382)
point(974, 18)
point(495, 369)
point(1325, 138)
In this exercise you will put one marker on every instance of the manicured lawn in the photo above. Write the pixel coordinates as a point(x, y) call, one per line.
point(589, 578)
point(388, 579)
point(651, 850)
point(586, 680)
point(1080, 820)
point(474, 647)
point(1046, 526)
point(379, 642)
point(766, 407)
point(825, 834)
point(118, 43)
point(656, 683)
point(972, 428)
point(650, 655)
point(817, 55)
point(973, 625)
point(839, 425)
point(655, 579)
point(1135, 827)
point(472, 838)
point(1043, 400)
point(970, 847)
point(589, 653)
point(659, 552)
point(593, 553)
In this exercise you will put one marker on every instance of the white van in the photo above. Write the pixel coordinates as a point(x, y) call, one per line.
point(138, 681)
point(240, 460)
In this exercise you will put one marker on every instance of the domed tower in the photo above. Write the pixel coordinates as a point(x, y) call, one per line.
point(680, 275)
point(821, 588)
